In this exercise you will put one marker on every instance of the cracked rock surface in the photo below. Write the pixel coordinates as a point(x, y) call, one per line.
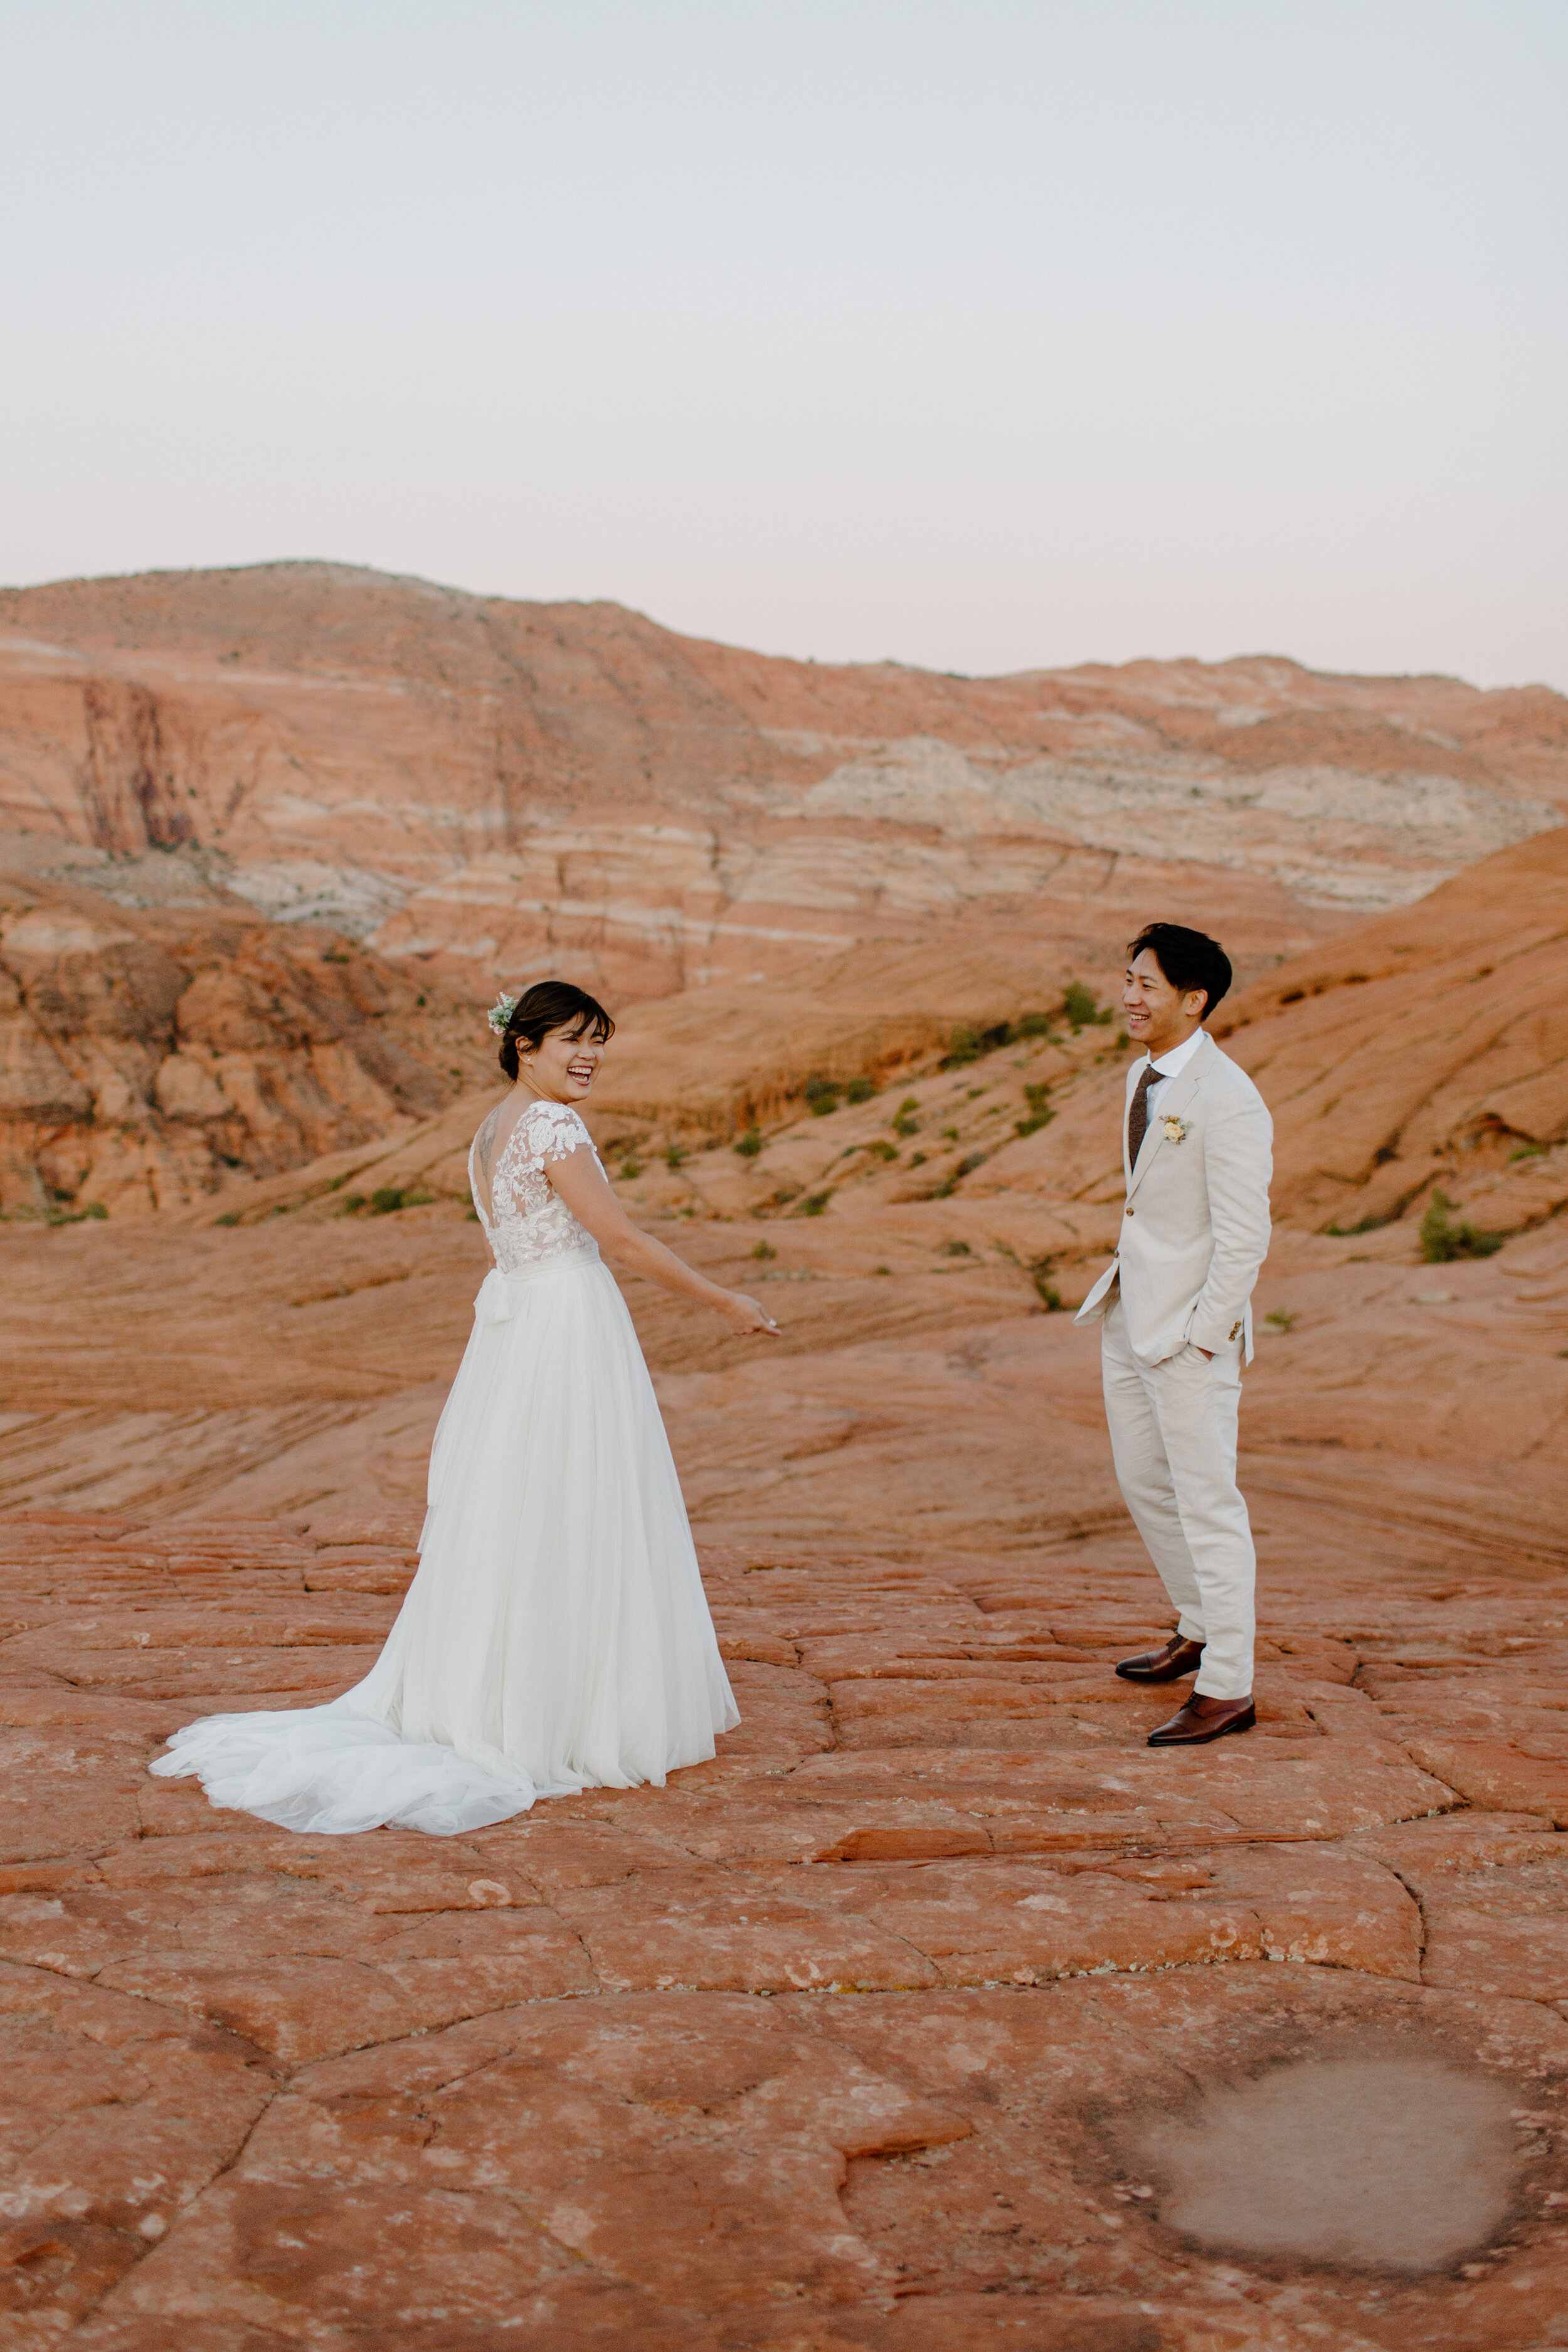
point(897, 2025)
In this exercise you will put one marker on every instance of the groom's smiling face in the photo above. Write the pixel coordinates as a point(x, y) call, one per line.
point(1159, 1017)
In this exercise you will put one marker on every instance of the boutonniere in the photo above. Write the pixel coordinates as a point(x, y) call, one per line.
point(1176, 1129)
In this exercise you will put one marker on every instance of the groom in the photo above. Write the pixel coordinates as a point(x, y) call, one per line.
point(1176, 1318)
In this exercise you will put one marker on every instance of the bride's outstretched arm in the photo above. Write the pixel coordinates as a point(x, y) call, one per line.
point(581, 1182)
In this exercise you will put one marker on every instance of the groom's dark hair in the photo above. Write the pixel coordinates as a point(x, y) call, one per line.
point(1187, 959)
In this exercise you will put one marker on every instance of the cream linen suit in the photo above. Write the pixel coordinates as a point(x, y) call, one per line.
point(1194, 1234)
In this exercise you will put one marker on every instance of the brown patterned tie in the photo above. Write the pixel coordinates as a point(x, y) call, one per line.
point(1138, 1114)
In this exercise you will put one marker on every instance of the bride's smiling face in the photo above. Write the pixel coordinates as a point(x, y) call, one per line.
point(565, 1063)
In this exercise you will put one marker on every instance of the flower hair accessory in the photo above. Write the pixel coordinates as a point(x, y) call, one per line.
point(501, 1011)
point(1176, 1129)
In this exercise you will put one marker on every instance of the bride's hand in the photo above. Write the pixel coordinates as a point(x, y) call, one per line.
point(746, 1318)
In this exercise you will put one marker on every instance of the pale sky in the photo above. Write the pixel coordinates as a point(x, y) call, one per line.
point(971, 333)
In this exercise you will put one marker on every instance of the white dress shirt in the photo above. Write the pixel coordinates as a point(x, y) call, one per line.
point(1171, 1065)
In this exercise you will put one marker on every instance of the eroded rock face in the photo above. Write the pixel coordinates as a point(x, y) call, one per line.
point(951, 2024)
point(145, 1055)
point(514, 787)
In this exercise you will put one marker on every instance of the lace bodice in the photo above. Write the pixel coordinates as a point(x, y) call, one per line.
point(525, 1217)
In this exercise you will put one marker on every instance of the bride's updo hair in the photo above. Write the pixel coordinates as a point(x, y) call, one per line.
point(551, 1004)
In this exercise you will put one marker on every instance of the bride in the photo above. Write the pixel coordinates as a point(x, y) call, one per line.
point(557, 1636)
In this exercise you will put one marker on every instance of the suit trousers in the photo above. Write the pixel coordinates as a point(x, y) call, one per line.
point(1172, 1434)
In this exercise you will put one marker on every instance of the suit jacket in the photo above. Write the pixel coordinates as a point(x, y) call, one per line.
point(1196, 1228)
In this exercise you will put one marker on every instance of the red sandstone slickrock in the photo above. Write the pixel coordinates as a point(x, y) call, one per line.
point(938, 2013)
point(857, 2038)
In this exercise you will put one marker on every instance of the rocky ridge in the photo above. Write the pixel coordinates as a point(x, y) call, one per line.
point(508, 787)
point(151, 1056)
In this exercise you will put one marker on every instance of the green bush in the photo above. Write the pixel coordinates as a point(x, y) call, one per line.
point(956, 1249)
point(1078, 1007)
point(1040, 1113)
point(1031, 1024)
point(859, 1090)
point(630, 1168)
point(823, 1104)
point(750, 1143)
point(1443, 1241)
point(386, 1202)
point(903, 1124)
point(765, 1250)
point(675, 1156)
point(1050, 1297)
point(815, 1202)
point(882, 1148)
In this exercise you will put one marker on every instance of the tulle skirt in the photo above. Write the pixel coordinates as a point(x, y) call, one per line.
point(557, 1636)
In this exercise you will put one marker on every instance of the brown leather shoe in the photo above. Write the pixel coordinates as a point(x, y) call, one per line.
point(1178, 1657)
point(1205, 1718)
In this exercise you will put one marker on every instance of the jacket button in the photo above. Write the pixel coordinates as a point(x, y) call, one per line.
point(1132, 1212)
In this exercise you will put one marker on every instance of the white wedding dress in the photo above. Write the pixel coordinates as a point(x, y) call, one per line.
point(557, 1636)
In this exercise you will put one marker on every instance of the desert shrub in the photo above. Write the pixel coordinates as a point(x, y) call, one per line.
point(388, 1201)
point(956, 1249)
point(1031, 1024)
point(1040, 1112)
point(1050, 1297)
point(750, 1143)
point(230, 1217)
point(1079, 1008)
point(765, 1250)
point(965, 1166)
point(675, 1156)
point(822, 1093)
point(965, 1045)
point(859, 1090)
point(1442, 1240)
point(823, 1105)
point(630, 1168)
point(882, 1148)
point(815, 1204)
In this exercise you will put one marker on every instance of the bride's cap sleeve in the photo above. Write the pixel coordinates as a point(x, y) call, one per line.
point(555, 1131)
